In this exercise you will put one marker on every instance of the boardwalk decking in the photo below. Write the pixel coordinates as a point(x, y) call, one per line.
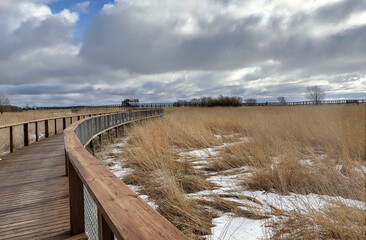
point(34, 196)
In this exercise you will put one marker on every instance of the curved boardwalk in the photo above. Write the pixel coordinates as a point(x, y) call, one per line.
point(34, 195)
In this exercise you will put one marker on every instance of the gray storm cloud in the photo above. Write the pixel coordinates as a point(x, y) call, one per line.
point(161, 51)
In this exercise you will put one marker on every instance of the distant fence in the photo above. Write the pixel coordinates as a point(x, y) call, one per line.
point(198, 104)
point(348, 101)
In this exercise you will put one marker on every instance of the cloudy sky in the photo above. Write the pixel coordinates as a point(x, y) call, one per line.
point(67, 52)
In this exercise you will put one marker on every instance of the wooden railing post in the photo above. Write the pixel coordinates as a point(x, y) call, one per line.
point(26, 134)
point(100, 139)
point(12, 145)
point(47, 132)
point(92, 146)
point(104, 231)
point(37, 131)
point(66, 164)
point(64, 123)
point(55, 126)
point(109, 135)
point(76, 201)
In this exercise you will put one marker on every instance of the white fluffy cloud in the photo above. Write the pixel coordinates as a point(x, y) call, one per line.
point(166, 50)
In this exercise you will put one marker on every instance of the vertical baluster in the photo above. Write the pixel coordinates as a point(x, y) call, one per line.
point(76, 195)
point(104, 231)
point(37, 131)
point(12, 145)
point(66, 164)
point(55, 126)
point(26, 134)
point(46, 129)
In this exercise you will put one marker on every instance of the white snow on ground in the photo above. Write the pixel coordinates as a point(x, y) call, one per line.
point(199, 157)
point(4, 153)
point(40, 136)
point(298, 201)
point(200, 153)
point(230, 227)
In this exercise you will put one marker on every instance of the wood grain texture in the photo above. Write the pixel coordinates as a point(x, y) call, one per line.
point(34, 194)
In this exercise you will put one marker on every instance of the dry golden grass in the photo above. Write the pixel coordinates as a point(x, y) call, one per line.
point(302, 149)
point(334, 221)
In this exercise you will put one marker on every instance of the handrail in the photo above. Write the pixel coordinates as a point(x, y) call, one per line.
point(120, 212)
point(53, 118)
point(26, 134)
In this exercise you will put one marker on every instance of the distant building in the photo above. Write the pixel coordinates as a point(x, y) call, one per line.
point(130, 102)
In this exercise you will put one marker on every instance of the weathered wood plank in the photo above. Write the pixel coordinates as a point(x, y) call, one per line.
point(34, 194)
point(76, 202)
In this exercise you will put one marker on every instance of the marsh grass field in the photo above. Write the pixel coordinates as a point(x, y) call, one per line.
point(197, 164)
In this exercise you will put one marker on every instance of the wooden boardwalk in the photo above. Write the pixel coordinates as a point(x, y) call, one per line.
point(34, 195)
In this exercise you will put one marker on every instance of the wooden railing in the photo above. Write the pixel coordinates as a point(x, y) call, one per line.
point(64, 121)
point(100, 203)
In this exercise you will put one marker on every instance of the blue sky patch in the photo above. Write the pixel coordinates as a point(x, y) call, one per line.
point(84, 17)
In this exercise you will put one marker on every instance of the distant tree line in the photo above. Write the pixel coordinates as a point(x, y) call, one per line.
point(5, 105)
point(222, 101)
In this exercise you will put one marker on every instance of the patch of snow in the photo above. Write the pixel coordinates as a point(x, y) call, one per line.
point(40, 136)
point(199, 164)
point(201, 153)
point(218, 136)
point(4, 153)
point(116, 150)
point(226, 183)
point(230, 227)
point(244, 139)
point(298, 201)
point(361, 169)
point(209, 152)
point(339, 167)
point(122, 143)
point(306, 162)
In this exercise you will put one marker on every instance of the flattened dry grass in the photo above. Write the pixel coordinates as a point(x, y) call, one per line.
point(310, 149)
point(334, 221)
